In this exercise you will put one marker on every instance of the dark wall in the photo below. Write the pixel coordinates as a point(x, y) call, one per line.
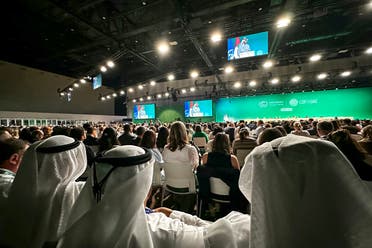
point(31, 90)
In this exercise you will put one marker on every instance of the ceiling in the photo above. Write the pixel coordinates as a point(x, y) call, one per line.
point(73, 38)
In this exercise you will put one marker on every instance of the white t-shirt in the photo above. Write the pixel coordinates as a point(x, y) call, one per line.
point(188, 155)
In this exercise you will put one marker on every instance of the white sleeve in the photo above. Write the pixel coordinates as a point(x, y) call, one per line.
point(193, 156)
point(188, 218)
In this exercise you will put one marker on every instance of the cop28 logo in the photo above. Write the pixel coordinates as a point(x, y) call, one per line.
point(293, 102)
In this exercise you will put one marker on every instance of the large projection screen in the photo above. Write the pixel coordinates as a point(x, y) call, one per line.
point(355, 103)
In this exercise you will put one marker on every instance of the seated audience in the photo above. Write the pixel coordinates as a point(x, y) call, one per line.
point(127, 137)
point(139, 132)
point(298, 129)
point(78, 133)
point(244, 141)
point(149, 141)
point(162, 138)
point(43, 193)
point(199, 133)
point(91, 139)
point(282, 130)
point(4, 134)
point(217, 129)
point(107, 141)
point(353, 151)
point(268, 135)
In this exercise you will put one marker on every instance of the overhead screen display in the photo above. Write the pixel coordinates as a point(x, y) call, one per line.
point(248, 46)
point(354, 103)
point(144, 111)
point(97, 81)
point(200, 108)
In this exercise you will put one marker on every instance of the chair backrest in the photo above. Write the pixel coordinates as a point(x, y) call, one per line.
point(179, 176)
point(156, 178)
point(219, 190)
point(199, 142)
point(241, 154)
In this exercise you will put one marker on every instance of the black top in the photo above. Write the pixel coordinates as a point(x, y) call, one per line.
point(219, 160)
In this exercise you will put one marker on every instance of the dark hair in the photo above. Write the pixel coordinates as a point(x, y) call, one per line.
point(243, 133)
point(140, 130)
point(268, 135)
point(350, 148)
point(282, 130)
point(198, 128)
point(25, 135)
point(126, 128)
point(162, 138)
point(10, 146)
point(217, 129)
point(148, 140)
point(90, 130)
point(108, 139)
point(221, 143)
point(177, 136)
point(77, 133)
point(325, 126)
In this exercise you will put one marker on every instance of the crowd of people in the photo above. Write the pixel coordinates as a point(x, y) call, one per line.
point(93, 185)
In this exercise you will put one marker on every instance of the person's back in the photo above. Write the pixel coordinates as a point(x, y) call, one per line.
point(127, 137)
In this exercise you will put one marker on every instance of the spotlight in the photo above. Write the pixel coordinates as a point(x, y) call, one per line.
point(114, 95)
point(268, 64)
point(108, 97)
point(76, 85)
point(283, 22)
point(152, 83)
point(130, 90)
point(194, 74)
point(103, 69)
point(62, 93)
point(192, 89)
point(159, 95)
point(369, 50)
point(170, 77)
point(163, 47)
point(148, 97)
point(322, 76)
point(275, 81)
point(252, 83)
point(295, 78)
point(140, 87)
point(103, 98)
point(237, 85)
point(315, 57)
point(70, 89)
point(345, 74)
point(141, 99)
point(83, 81)
point(166, 94)
point(183, 91)
point(216, 37)
point(229, 69)
point(122, 92)
point(134, 100)
point(110, 63)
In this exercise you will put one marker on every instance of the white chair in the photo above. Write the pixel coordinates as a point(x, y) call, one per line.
point(200, 142)
point(156, 176)
point(179, 179)
point(219, 190)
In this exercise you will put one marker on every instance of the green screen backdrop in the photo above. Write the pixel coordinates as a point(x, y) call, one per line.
point(356, 103)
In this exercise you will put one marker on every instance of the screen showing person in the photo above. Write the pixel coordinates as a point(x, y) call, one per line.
point(144, 111)
point(200, 108)
point(247, 46)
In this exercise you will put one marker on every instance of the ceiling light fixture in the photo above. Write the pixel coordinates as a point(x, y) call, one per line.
point(268, 64)
point(122, 92)
point(163, 47)
point(70, 89)
point(130, 90)
point(345, 74)
point(192, 89)
point(283, 22)
point(152, 83)
point(237, 85)
point(369, 50)
point(322, 76)
point(134, 100)
point(315, 57)
point(171, 77)
point(103, 69)
point(62, 93)
point(183, 91)
point(141, 99)
point(295, 78)
point(229, 69)
point(110, 63)
point(216, 37)
point(103, 98)
point(159, 95)
point(140, 87)
point(76, 85)
point(166, 94)
point(108, 97)
point(194, 74)
point(83, 81)
point(114, 95)
point(148, 97)
point(252, 83)
point(275, 81)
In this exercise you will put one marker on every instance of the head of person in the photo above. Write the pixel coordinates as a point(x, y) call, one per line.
point(198, 129)
point(367, 132)
point(243, 133)
point(217, 129)
point(47, 131)
point(122, 180)
point(268, 135)
point(127, 128)
point(221, 143)
point(282, 130)
point(91, 131)
point(140, 131)
point(148, 139)
point(177, 136)
point(37, 135)
point(43, 192)
point(25, 135)
point(78, 133)
point(11, 154)
point(297, 126)
point(162, 138)
point(260, 122)
point(324, 128)
point(4, 134)
point(108, 139)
